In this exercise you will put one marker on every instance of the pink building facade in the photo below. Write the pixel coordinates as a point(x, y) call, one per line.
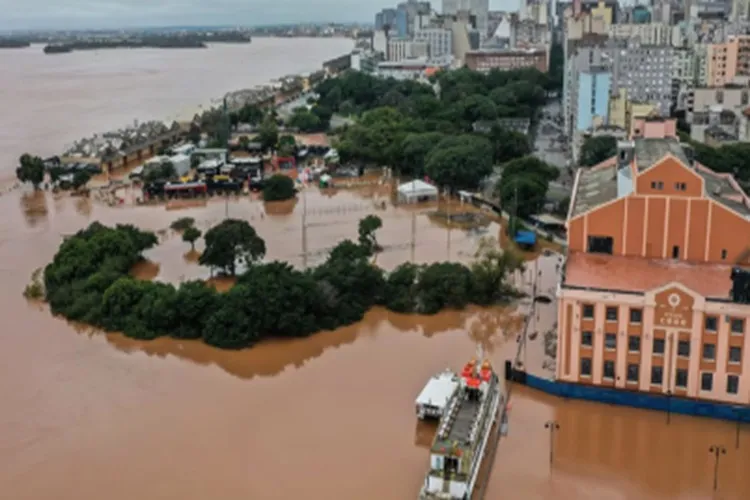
point(655, 293)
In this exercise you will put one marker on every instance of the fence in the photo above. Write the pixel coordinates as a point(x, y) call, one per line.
point(645, 401)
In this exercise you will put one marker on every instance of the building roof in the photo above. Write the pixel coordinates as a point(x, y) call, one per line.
point(650, 151)
point(598, 185)
point(639, 275)
point(438, 390)
point(417, 188)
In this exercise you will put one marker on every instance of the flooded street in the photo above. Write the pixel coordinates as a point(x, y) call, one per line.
point(87, 414)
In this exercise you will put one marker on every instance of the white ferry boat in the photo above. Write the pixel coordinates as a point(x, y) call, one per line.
point(461, 439)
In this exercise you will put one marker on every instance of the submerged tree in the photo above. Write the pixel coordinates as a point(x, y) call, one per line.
point(230, 242)
point(367, 228)
point(491, 269)
point(190, 235)
point(31, 170)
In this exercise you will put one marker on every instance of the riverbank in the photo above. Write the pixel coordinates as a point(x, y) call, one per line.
point(52, 102)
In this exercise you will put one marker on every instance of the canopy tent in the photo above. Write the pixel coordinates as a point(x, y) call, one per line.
point(416, 191)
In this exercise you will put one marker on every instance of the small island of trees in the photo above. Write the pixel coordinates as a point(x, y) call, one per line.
point(88, 281)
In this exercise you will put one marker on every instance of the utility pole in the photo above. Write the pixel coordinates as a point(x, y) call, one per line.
point(448, 216)
point(738, 413)
point(553, 426)
point(304, 229)
point(413, 234)
point(717, 451)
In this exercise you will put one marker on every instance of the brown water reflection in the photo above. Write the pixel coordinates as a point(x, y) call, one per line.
point(87, 415)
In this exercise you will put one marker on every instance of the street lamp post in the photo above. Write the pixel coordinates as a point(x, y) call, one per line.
point(738, 414)
point(553, 426)
point(717, 451)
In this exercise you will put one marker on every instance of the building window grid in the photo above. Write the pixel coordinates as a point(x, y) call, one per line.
point(608, 370)
point(681, 378)
point(658, 347)
point(733, 384)
point(709, 352)
point(657, 375)
point(735, 355)
point(737, 326)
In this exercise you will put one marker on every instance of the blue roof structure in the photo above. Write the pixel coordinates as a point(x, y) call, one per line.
point(525, 238)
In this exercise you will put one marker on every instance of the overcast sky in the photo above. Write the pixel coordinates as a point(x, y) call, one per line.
point(81, 14)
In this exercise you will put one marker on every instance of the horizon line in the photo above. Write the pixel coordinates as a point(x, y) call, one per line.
point(189, 26)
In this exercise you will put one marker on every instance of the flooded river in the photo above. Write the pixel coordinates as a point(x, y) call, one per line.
point(50, 101)
point(87, 415)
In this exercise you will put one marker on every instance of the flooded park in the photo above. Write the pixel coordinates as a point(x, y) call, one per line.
point(88, 414)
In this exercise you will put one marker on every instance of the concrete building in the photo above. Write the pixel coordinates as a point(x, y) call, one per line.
point(648, 34)
point(728, 62)
point(364, 61)
point(405, 48)
point(654, 295)
point(594, 86)
point(623, 112)
point(386, 17)
point(408, 69)
point(580, 55)
point(438, 39)
point(480, 9)
point(485, 60)
point(528, 33)
point(645, 71)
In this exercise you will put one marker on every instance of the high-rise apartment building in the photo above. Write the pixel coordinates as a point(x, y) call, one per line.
point(439, 41)
point(480, 9)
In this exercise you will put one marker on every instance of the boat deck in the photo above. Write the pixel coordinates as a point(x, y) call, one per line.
point(465, 417)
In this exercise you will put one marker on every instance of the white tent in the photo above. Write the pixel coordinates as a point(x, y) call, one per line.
point(416, 191)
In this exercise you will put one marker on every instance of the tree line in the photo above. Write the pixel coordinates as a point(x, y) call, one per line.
point(449, 131)
point(88, 281)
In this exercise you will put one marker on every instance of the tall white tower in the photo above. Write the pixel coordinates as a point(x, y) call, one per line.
point(480, 9)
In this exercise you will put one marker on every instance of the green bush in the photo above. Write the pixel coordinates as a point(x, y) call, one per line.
point(278, 188)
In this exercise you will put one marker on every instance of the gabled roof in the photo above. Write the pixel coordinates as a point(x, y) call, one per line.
point(597, 185)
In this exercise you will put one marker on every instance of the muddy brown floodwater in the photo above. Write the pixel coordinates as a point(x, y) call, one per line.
point(87, 415)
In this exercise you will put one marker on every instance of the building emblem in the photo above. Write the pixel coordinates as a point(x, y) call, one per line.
point(674, 309)
point(673, 300)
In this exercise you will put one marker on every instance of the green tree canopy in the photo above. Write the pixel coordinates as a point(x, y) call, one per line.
point(182, 223)
point(523, 185)
point(191, 235)
point(367, 228)
point(508, 144)
point(230, 242)
point(31, 170)
point(279, 187)
point(306, 121)
point(597, 149)
point(80, 179)
point(460, 162)
point(268, 134)
point(414, 150)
